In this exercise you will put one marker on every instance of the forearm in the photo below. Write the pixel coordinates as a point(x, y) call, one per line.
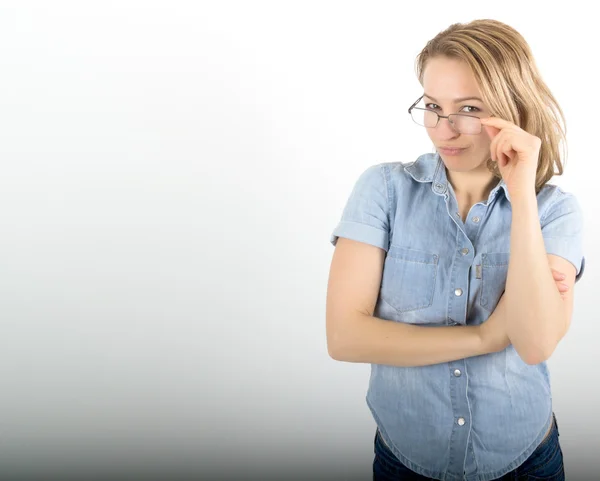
point(378, 341)
point(534, 306)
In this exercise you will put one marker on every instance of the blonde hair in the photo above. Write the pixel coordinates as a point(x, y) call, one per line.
point(510, 84)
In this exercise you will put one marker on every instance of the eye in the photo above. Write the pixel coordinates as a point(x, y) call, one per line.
point(475, 109)
point(432, 106)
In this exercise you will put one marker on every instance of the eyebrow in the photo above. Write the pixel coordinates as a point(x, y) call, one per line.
point(456, 101)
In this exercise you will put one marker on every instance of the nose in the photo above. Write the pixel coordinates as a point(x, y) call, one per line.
point(444, 130)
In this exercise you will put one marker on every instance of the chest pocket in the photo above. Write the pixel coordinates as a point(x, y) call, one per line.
point(494, 270)
point(408, 279)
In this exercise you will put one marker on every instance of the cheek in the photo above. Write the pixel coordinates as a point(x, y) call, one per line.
point(483, 143)
point(431, 133)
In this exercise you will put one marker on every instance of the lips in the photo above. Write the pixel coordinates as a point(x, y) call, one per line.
point(451, 150)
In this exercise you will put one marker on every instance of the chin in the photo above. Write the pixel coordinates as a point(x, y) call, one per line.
point(456, 164)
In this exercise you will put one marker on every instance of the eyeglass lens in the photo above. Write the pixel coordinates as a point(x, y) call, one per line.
point(461, 123)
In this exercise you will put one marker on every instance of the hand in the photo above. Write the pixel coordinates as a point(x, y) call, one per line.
point(493, 331)
point(516, 153)
point(558, 277)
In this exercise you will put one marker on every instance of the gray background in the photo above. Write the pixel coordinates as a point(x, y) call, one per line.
point(171, 174)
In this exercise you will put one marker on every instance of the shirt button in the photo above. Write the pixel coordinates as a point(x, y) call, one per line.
point(457, 372)
point(476, 219)
point(461, 421)
point(458, 292)
point(464, 252)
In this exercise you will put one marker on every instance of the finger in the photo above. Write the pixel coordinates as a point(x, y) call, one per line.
point(505, 149)
point(562, 287)
point(497, 122)
point(494, 146)
point(500, 157)
point(491, 131)
point(557, 274)
point(499, 153)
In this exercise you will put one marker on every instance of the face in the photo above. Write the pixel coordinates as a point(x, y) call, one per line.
point(445, 80)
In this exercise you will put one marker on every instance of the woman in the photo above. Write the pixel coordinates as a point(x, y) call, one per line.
point(473, 255)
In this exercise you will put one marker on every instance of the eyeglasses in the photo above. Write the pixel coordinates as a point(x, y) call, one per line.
point(461, 123)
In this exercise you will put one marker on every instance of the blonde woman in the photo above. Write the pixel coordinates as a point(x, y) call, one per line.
point(472, 255)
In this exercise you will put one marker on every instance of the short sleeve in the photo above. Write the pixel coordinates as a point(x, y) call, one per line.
point(365, 217)
point(562, 230)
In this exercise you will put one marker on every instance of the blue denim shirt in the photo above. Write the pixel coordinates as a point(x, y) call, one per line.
point(476, 418)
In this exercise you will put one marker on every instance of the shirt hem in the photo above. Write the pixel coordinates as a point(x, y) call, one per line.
point(488, 476)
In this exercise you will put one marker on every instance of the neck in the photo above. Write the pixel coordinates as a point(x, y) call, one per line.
point(472, 186)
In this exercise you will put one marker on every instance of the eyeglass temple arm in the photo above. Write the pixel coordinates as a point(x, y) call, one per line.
point(418, 100)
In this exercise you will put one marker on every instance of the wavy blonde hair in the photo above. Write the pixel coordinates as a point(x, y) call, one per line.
point(510, 84)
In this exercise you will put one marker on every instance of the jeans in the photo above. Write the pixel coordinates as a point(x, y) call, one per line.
point(544, 464)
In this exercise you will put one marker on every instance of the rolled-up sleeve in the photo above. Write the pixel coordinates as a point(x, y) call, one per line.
point(562, 229)
point(365, 217)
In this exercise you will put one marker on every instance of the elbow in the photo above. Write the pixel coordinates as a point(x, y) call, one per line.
point(536, 353)
point(541, 350)
point(536, 347)
point(345, 338)
point(333, 351)
point(342, 337)
point(337, 353)
point(335, 356)
point(340, 349)
point(532, 360)
point(531, 357)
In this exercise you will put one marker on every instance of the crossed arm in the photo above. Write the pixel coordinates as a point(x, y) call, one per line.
point(537, 315)
point(355, 335)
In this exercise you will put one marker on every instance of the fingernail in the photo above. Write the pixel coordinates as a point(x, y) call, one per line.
point(562, 276)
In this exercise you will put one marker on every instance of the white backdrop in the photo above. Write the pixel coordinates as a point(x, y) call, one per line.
point(171, 174)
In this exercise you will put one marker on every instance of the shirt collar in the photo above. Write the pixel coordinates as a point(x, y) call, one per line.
point(430, 168)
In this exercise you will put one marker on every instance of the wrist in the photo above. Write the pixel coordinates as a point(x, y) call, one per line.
point(525, 194)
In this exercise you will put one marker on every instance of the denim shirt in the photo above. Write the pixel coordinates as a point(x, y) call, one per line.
point(472, 419)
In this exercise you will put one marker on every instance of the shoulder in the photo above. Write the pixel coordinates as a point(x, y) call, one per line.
point(554, 201)
point(390, 180)
point(384, 170)
point(421, 169)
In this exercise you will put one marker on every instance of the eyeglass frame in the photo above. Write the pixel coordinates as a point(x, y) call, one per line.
point(413, 106)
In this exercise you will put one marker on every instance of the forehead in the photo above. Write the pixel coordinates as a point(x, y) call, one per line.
point(446, 79)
